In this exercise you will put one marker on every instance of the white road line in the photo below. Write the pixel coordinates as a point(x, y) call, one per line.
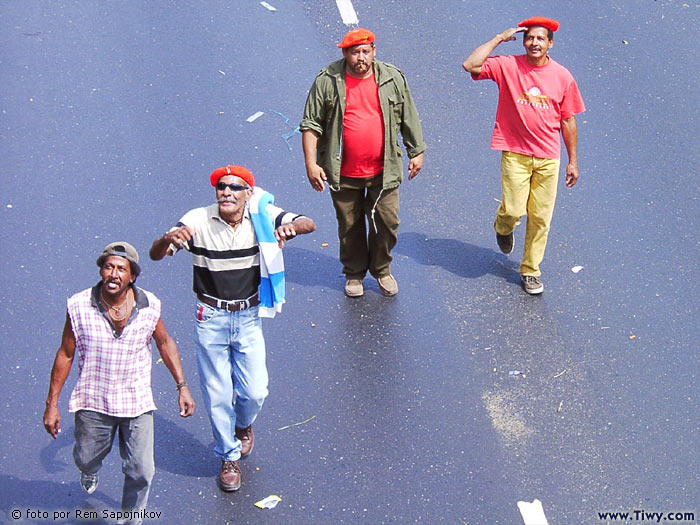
point(254, 116)
point(347, 12)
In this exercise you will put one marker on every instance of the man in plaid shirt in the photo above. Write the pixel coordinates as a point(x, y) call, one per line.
point(111, 325)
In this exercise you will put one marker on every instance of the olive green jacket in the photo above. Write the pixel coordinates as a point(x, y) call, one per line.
point(325, 107)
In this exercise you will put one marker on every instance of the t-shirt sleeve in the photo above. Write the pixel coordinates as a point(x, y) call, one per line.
point(490, 69)
point(280, 217)
point(186, 220)
point(572, 102)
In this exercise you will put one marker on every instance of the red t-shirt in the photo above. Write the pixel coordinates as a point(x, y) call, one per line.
point(363, 129)
point(532, 102)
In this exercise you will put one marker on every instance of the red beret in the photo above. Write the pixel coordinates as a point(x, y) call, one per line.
point(237, 171)
point(357, 37)
point(540, 21)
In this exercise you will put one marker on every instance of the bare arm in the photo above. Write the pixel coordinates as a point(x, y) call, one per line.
point(300, 226)
point(161, 245)
point(569, 132)
point(315, 173)
point(59, 374)
point(171, 358)
point(472, 64)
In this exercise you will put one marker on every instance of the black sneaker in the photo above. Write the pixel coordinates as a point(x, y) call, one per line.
point(88, 482)
point(532, 285)
point(505, 242)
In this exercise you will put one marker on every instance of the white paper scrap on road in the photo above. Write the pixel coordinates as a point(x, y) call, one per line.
point(268, 6)
point(347, 12)
point(577, 269)
point(532, 513)
point(255, 116)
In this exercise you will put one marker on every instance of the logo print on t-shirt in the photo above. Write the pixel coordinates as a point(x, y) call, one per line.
point(534, 97)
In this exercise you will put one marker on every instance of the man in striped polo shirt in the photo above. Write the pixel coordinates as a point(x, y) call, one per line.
point(237, 277)
point(111, 325)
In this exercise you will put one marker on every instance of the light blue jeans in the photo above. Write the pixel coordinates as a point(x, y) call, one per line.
point(232, 372)
point(94, 435)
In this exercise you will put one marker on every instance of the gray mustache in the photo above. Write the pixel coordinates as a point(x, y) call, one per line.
point(226, 199)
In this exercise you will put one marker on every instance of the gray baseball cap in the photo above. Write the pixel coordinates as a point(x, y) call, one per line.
point(122, 249)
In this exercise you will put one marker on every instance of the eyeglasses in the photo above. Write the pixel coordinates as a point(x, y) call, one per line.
point(221, 186)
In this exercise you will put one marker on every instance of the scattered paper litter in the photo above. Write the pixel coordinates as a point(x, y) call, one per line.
point(9, 205)
point(255, 116)
point(268, 503)
point(324, 244)
point(160, 360)
point(222, 72)
point(577, 269)
point(514, 373)
point(268, 6)
point(347, 12)
point(532, 513)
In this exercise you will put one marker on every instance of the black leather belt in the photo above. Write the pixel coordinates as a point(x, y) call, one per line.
point(230, 306)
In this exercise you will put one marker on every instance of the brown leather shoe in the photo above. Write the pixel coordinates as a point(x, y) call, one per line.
point(230, 476)
point(247, 438)
point(388, 285)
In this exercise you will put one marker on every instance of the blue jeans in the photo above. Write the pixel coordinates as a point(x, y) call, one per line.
point(232, 372)
point(94, 435)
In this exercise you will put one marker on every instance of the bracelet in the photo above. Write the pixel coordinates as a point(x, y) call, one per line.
point(181, 385)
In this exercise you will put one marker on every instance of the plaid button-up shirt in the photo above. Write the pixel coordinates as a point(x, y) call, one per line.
point(114, 370)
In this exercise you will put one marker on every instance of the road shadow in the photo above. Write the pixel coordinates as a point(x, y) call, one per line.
point(460, 258)
point(48, 496)
point(179, 452)
point(309, 268)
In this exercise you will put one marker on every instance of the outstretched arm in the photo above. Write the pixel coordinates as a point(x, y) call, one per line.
point(299, 226)
point(59, 373)
point(162, 244)
point(171, 358)
point(569, 132)
point(473, 62)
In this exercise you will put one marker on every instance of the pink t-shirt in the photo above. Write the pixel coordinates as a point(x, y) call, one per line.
point(363, 129)
point(532, 102)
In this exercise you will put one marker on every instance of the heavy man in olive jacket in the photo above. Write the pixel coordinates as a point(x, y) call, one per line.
point(355, 110)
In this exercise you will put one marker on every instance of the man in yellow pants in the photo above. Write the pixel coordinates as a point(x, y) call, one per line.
point(538, 99)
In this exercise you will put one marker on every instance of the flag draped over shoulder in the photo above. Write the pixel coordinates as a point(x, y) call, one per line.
point(271, 262)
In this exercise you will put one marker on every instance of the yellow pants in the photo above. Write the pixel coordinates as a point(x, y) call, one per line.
point(529, 187)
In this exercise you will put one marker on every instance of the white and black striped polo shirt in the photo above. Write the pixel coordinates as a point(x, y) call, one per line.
point(225, 262)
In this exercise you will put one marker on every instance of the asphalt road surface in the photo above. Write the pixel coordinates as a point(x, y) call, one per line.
point(407, 409)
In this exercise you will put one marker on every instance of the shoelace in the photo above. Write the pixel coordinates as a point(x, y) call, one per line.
point(229, 465)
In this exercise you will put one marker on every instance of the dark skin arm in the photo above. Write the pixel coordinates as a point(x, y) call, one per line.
point(168, 351)
point(569, 132)
point(64, 360)
point(298, 227)
point(59, 374)
point(178, 237)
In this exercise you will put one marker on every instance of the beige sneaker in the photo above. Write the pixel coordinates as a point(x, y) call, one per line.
point(388, 285)
point(353, 288)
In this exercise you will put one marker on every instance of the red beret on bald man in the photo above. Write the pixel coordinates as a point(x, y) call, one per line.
point(540, 21)
point(236, 171)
